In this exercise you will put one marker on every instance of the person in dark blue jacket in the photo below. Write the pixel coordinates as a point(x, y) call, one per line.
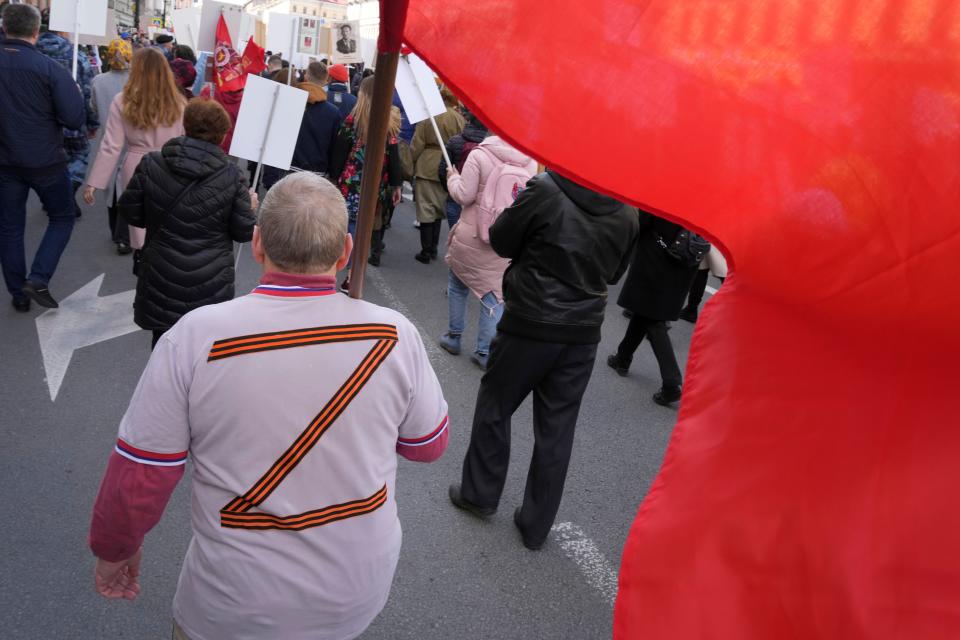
point(338, 93)
point(321, 121)
point(38, 99)
point(75, 141)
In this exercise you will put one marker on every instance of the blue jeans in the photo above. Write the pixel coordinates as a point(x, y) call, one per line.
point(56, 195)
point(453, 212)
point(490, 313)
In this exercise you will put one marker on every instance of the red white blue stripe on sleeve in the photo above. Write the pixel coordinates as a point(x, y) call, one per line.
point(142, 456)
point(427, 439)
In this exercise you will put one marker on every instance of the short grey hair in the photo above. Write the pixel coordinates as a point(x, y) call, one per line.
point(317, 73)
point(303, 223)
point(21, 20)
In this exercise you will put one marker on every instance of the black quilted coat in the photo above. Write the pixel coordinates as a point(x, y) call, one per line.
point(188, 255)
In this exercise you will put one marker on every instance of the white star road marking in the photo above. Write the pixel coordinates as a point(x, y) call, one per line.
point(83, 319)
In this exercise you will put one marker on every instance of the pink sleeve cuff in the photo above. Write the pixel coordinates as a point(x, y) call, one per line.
point(426, 448)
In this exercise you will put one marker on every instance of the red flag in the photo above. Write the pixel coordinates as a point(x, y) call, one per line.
point(227, 69)
point(253, 58)
point(808, 490)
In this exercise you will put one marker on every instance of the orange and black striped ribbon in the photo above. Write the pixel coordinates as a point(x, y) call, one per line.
point(235, 515)
point(242, 345)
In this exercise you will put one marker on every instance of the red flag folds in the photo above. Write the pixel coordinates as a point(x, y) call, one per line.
point(252, 61)
point(809, 488)
point(227, 68)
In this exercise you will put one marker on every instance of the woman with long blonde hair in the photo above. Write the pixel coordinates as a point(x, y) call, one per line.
point(148, 113)
point(346, 167)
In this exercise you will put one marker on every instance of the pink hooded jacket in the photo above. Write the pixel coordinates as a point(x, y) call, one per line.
point(471, 258)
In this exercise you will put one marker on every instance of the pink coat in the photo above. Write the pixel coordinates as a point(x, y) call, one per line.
point(119, 134)
point(470, 258)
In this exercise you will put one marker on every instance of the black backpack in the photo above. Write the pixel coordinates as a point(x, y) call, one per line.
point(687, 248)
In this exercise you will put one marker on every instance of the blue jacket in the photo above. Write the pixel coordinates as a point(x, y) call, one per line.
point(406, 128)
point(38, 98)
point(340, 97)
point(321, 121)
point(74, 140)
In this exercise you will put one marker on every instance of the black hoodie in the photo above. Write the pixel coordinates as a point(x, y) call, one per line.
point(188, 256)
point(566, 244)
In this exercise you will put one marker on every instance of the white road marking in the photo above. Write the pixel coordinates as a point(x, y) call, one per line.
point(83, 319)
point(598, 571)
point(711, 290)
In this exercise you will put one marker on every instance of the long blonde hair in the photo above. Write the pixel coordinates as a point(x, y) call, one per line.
point(151, 97)
point(361, 113)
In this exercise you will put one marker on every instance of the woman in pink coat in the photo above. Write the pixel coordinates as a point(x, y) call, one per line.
point(493, 176)
point(142, 118)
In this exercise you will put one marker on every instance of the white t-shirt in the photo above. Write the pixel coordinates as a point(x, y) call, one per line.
point(291, 409)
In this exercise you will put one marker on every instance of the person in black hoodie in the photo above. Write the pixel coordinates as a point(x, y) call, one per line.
point(566, 243)
point(194, 203)
point(654, 291)
point(321, 122)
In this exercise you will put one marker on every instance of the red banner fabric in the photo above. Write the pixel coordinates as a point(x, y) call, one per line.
point(809, 487)
point(228, 68)
point(253, 58)
point(393, 14)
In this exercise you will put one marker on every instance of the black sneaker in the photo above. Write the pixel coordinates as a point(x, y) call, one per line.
point(666, 397)
point(614, 363)
point(423, 257)
point(373, 261)
point(690, 314)
point(345, 285)
point(460, 503)
point(123, 249)
point(40, 295)
point(532, 546)
point(21, 304)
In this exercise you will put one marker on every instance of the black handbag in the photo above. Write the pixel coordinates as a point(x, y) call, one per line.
point(138, 254)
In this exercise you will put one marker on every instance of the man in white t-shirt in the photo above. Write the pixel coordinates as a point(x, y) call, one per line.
point(292, 403)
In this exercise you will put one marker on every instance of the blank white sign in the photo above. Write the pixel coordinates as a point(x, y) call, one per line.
point(93, 16)
point(281, 34)
point(186, 26)
point(210, 16)
point(251, 130)
point(411, 72)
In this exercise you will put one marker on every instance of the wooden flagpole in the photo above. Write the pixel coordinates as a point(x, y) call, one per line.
point(383, 81)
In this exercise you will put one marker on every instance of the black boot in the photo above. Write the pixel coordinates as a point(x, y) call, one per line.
point(435, 240)
point(376, 246)
point(426, 240)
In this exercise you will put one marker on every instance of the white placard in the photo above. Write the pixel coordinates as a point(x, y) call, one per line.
point(248, 29)
point(186, 26)
point(346, 45)
point(210, 16)
point(413, 71)
point(252, 122)
point(110, 32)
point(93, 16)
point(281, 32)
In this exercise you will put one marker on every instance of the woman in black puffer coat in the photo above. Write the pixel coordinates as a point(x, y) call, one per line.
point(194, 203)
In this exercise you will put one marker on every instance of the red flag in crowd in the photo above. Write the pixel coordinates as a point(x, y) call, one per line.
point(228, 70)
point(253, 58)
point(807, 491)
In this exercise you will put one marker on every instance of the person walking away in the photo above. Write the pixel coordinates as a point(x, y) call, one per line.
point(143, 117)
point(76, 142)
point(193, 202)
point(104, 88)
point(338, 91)
point(566, 244)
point(347, 162)
point(321, 122)
point(274, 64)
point(38, 99)
point(492, 178)
point(185, 75)
point(714, 263)
point(429, 194)
point(459, 149)
point(296, 492)
point(660, 277)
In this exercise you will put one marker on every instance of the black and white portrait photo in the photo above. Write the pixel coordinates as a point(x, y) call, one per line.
point(346, 49)
point(346, 42)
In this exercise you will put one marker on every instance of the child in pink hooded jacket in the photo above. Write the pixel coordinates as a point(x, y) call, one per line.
point(492, 178)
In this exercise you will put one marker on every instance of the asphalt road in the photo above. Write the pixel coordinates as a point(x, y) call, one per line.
point(457, 578)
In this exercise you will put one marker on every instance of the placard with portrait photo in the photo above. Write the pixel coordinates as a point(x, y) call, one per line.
point(346, 45)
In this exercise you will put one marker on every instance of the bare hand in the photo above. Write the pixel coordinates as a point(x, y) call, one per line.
point(88, 192)
point(118, 580)
point(254, 199)
point(452, 171)
point(397, 196)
